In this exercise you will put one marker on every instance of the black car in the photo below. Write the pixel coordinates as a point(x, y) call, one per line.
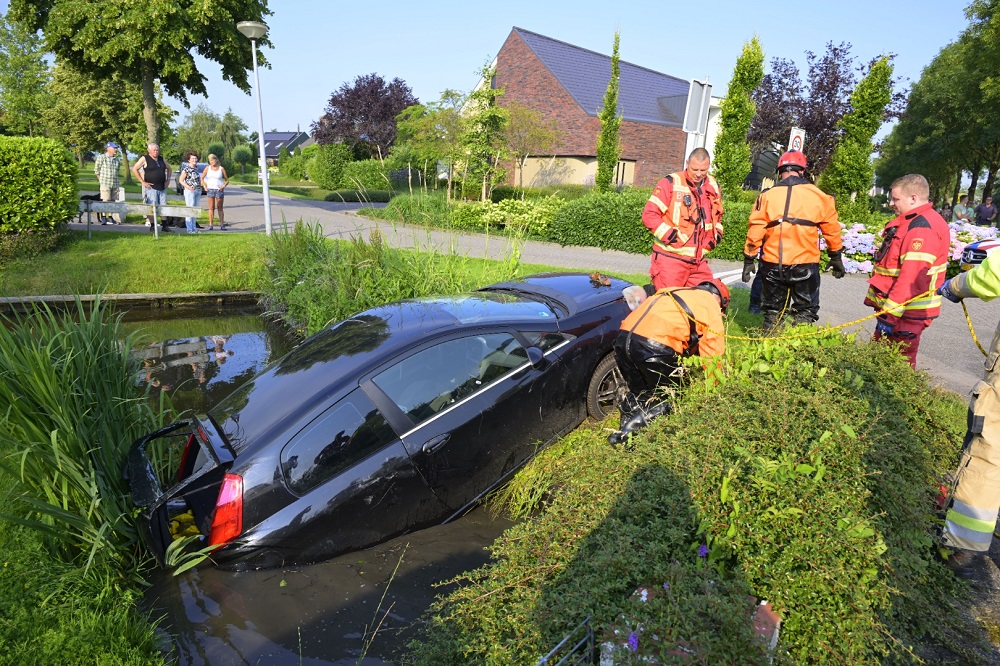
point(397, 418)
point(200, 166)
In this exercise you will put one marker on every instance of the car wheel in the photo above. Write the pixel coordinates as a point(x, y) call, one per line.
point(605, 384)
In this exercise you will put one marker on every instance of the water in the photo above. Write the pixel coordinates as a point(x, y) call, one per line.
point(360, 608)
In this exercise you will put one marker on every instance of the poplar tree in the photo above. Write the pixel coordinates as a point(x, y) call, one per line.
point(608, 145)
point(732, 150)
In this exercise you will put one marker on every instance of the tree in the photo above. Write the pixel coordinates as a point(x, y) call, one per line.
point(608, 145)
point(243, 156)
point(200, 128)
point(529, 133)
point(432, 133)
point(24, 79)
point(363, 115)
point(484, 135)
point(850, 173)
point(776, 102)
point(230, 130)
point(149, 41)
point(732, 151)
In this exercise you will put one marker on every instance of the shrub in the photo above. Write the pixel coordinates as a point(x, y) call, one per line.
point(373, 196)
point(29, 244)
point(430, 209)
point(327, 167)
point(293, 166)
point(608, 220)
point(37, 184)
point(522, 217)
point(501, 192)
point(820, 502)
point(734, 231)
point(365, 175)
point(468, 216)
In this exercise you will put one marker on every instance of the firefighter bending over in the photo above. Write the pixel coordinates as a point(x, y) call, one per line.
point(787, 220)
point(664, 328)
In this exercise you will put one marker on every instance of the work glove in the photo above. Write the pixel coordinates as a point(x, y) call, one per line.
point(945, 290)
point(884, 328)
point(749, 267)
point(837, 264)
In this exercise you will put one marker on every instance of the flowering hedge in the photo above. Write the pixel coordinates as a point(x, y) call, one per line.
point(861, 242)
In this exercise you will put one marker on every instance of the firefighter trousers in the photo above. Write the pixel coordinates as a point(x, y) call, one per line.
point(975, 497)
point(789, 291)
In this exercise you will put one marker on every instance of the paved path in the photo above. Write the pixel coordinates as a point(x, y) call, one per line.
point(947, 351)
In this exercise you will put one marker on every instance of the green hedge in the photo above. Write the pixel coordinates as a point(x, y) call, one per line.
point(365, 175)
point(734, 231)
point(608, 220)
point(37, 184)
point(327, 168)
point(818, 499)
point(362, 196)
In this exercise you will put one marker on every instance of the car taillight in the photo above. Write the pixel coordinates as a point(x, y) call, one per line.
point(227, 523)
point(182, 471)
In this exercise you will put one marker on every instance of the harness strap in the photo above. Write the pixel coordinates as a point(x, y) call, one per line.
point(693, 337)
point(792, 220)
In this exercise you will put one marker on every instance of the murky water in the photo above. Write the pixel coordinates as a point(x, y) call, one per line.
point(359, 608)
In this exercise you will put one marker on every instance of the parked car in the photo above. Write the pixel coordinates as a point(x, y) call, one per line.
point(399, 417)
point(177, 177)
point(975, 253)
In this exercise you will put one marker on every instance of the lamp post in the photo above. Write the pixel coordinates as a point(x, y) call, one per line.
point(254, 31)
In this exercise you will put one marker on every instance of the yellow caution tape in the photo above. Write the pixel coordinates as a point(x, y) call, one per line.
point(972, 329)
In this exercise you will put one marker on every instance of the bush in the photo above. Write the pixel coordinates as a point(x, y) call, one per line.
point(293, 166)
point(365, 196)
point(608, 220)
point(29, 244)
point(734, 231)
point(365, 175)
point(37, 184)
point(468, 216)
point(821, 502)
point(327, 167)
point(430, 209)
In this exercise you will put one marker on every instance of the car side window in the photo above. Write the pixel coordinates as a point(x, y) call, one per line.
point(544, 340)
point(345, 434)
point(431, 380)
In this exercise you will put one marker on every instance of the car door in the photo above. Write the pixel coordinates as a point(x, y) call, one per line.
point(475, 410)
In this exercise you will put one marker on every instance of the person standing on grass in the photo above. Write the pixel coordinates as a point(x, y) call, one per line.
point(215, 179)
point(106, 168)
point(153, 172)
point(192, 189)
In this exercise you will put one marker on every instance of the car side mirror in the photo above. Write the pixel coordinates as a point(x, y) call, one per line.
point(536, 357)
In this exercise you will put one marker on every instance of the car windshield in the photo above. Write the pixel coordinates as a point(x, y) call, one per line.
point(504, 305)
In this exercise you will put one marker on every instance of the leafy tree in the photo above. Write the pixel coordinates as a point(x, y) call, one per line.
point(363, 115)
point(432, 133)
point(149, 41)
point(850, 173)
point(529, 133)
point(608, 145)
point(485, 133)
point(231, 130)
point(732, 151)
point(776, 101)
point(203, 127)
point(243, 156)
point(24, 79)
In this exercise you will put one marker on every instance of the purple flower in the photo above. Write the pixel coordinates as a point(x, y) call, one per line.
point(666, 586)
point(633, 641)
point(702, 551)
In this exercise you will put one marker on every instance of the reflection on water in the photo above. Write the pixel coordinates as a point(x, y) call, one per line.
point(359, 608)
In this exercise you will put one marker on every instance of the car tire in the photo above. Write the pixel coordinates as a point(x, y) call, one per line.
point(602, 392)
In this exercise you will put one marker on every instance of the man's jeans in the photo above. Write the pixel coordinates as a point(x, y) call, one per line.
point(157, 197)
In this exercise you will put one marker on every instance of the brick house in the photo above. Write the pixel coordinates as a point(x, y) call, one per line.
point(568, 83)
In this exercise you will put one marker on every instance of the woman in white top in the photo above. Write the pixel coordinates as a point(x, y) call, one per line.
point(214, 179)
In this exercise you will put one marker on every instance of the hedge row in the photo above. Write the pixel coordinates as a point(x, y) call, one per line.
point(37, 184)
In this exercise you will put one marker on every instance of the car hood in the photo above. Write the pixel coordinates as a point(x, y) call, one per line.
point(576, 291)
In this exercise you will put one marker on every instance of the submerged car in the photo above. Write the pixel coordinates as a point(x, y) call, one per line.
point(975, 253)
point(400, 417)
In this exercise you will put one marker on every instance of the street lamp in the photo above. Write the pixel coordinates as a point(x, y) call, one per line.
point(254, 31)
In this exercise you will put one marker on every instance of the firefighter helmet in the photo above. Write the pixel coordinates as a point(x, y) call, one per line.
point(793, 159)
point(717, 287)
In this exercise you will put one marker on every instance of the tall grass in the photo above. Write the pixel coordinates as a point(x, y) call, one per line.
point(315, 281)
point(70, 410)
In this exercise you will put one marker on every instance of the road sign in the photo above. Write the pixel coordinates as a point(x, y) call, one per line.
point(696, 113)
point(796, 139)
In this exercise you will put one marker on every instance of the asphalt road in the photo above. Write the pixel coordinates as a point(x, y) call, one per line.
point(947, 352)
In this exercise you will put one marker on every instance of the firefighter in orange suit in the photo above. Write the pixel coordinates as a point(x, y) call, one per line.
point(787, 221)
point(684, 215)
point(669, 325)
point(911, 261)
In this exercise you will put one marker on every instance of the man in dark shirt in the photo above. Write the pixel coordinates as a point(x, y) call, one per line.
point(154, 174)
point(985, 213)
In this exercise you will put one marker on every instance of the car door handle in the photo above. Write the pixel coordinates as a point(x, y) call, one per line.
point(432, 445)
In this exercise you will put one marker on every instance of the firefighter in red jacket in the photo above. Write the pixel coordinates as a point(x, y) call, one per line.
point(684, 215)
point(786, 222)
point(664, 328)
point(911, 262)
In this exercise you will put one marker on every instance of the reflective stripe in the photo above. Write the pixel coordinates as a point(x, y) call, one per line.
point(957, 536)
point(662, 230)
point(682, 237)
point(686, 251)
point(655, 200)
point(891, 272)
point(937, 269)
point(969, 528)
point(924, 303)
point(986, 518)
point(892, 307)
point(918, 256)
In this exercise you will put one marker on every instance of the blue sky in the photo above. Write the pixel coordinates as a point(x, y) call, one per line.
point(432, 46)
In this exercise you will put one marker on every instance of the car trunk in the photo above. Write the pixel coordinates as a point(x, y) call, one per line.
point(175, 474)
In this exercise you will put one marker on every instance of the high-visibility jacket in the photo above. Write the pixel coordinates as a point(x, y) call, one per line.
point(787, 221)
point(911, 261)
point(685, 219)
point(662, 318)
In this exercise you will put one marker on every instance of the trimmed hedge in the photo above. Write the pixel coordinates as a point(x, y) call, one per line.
point(734, 231)
point(37, 184)
point(365, 175)
point(608, 220)
point(327, 168)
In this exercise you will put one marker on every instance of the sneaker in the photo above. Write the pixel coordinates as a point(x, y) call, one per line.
point(211, 228)
point(222, 227)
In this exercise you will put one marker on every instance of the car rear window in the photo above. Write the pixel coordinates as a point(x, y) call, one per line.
point(347, 433)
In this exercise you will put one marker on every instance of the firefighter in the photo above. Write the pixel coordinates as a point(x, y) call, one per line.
point(911, 261)
point(684, 215)
point(669, 325)
point(975, 497)
point(786, 223)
